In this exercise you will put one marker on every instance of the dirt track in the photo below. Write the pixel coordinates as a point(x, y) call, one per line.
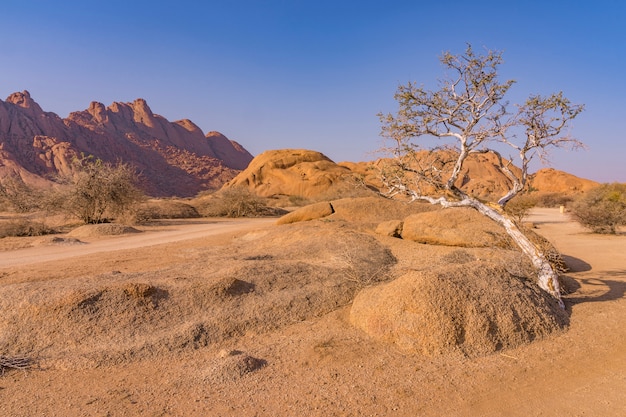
point(150, 237)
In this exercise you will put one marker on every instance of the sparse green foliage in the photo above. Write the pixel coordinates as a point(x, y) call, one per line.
point(97, 190)
point(602, 209)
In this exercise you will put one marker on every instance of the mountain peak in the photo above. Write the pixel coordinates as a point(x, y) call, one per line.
point(175, 158)
point(24, 100)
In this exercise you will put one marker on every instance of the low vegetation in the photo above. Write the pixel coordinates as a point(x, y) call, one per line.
point(16, 195)
point(24, 227)
point(602, 209)
point(164, 209)
point(235, 202)
point(97, 191)
point(519, 206)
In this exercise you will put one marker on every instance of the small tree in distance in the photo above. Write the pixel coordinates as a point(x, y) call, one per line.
point(97, 190)
point(468, 115)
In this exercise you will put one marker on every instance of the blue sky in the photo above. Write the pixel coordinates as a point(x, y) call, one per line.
point(313, 74)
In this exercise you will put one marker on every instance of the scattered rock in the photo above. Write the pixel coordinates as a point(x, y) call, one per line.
point(232, 365)
point(105, 229)
point(61, 241)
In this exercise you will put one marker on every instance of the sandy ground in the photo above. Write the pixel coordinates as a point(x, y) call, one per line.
point(325, 367)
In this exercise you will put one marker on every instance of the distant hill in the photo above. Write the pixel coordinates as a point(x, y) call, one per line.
point(173, 158)
point(178, 159)
point(310, 174)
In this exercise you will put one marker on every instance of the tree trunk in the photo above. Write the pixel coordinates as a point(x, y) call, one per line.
point(547, 278)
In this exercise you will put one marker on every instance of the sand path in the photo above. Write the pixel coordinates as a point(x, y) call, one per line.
point(150, 237)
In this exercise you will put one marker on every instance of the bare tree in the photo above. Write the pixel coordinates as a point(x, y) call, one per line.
point(468, 115)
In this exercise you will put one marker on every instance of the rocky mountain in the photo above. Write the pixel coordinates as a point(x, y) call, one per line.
point(173, 158)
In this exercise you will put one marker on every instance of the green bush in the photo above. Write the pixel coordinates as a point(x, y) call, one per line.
point(602, 209)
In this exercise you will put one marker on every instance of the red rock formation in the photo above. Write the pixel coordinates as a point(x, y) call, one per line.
point(174, 158)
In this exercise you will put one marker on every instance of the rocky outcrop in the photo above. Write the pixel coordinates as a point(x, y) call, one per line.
point(297, 172)
point(550, 180)
point(472, 309)
point(173, 158)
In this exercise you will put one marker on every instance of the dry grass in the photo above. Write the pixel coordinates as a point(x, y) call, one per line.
point(24, 227)
point(165, 209)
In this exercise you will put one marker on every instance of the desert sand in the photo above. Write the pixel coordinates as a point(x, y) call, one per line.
point(159, 324)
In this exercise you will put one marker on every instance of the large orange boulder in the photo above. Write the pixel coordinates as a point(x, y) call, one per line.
point(296, 172)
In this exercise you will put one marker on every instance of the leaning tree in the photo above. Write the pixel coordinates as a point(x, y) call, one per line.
point(433, 134)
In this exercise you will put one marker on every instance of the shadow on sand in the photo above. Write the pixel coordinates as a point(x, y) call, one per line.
point(576, 264)
point(606, 289)
point(595, 289)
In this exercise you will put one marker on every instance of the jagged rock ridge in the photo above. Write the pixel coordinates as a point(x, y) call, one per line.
point(174, 158)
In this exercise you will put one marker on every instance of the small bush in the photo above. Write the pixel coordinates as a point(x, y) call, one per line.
point(16, 195)
point(602, 209)
point(519, 206)
point(551, 200)
point(24, 227)
point(236, 202)
point(165, 209)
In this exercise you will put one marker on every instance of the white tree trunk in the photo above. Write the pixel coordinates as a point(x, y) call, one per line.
point(547, 278)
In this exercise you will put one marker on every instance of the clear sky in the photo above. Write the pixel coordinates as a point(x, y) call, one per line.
point(274, 74)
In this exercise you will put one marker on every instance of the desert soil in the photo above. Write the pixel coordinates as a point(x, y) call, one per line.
point(323, 366)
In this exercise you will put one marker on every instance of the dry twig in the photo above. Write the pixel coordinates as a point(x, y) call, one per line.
point(16, 362)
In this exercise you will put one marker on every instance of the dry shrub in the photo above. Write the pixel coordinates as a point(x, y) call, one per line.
point(519, 206)
point(165, 209)
point(602, 209)
point(24, 227)
point(96, 191)
point(236, 202)
point(298, 200)
point(551, 200)
point(19, 196)
point(473, 309)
